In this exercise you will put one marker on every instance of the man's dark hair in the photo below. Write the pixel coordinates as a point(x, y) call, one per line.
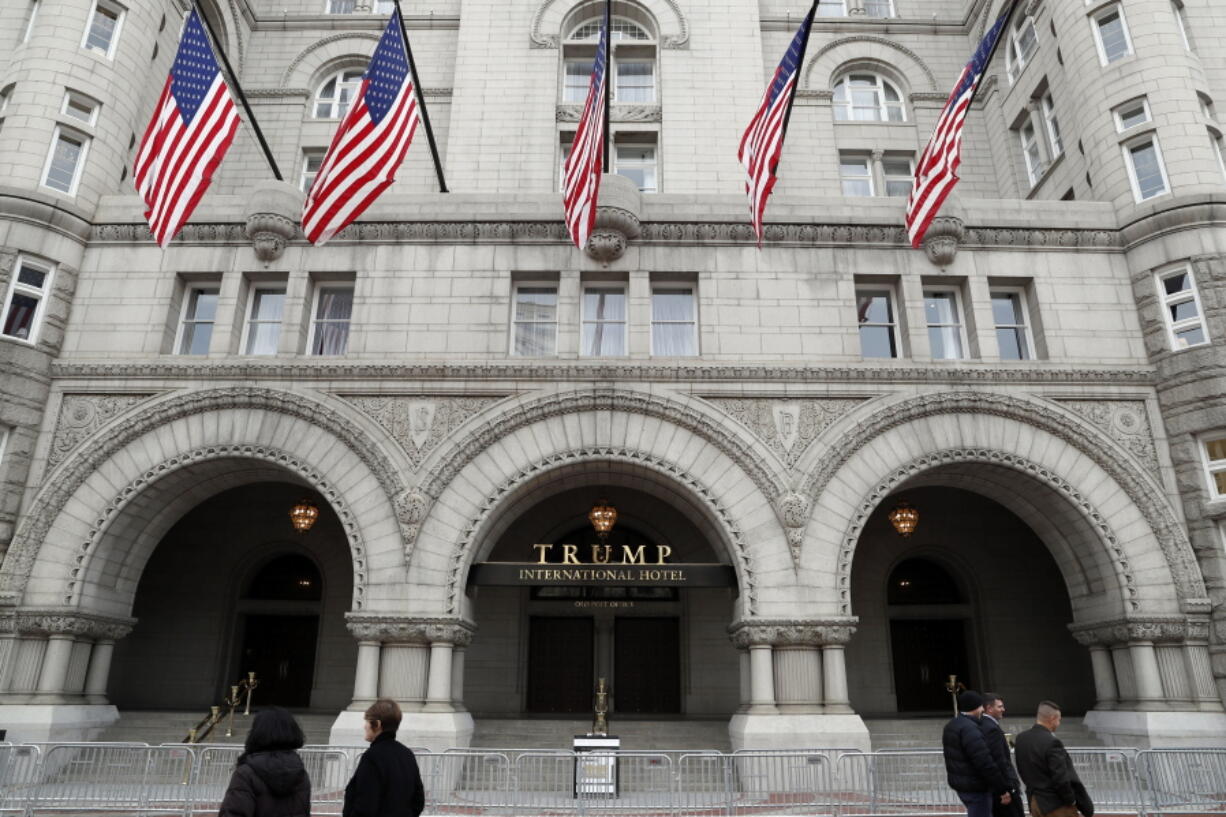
point(274, 730)
point(990, 698)
point(386, 712)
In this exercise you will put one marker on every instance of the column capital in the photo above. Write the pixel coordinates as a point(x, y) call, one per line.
point(1157, 629)
point(64, 621)
point(793, 632)
point(392, 629)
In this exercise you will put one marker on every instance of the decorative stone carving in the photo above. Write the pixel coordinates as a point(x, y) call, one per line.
point(794, 512)
point(83, 414)
point(859, 42)
point(673, 19)
point(793, 633)
point(418, 422)
point(1158, 629)
point(787, 427)
point(272, 213)
point(617, 220)
point(392, 629)
point(617, 113)
point(47, 622)
point(942, 238)
point(741, 557)
point(1126, 422)
point(411, 509)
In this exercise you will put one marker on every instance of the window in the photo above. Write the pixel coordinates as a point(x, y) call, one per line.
point(1048, 106)
point(603, 329)
point(867, 98)
point(633, 61)
point(1180, 21)
point(878, 325)
point(944, 318)
point(636, 162)
point(899, 173)
point(1023, 42)
point(1009, 316)
point(62, 171)
point(620, 28)
point(26, 299)
point(578, 76)
point(1219, 150)
point(4, 442)
point(674, 322)
point(1181, 308)
point(1030, 151)
point(878, 8)
point(832, 8)
point(312, 160)
point(1145, 169)
point(196, 326)
point(330, 320)
point(337, 91)
point(80, 107)
point(635, 81)
point(1111, 34)
point(264, 321)
point(534, 326)
point(105, 21)
point(1131, 114)
point(5, 93)
point(340, 6)
point(1214, 449)
point(856, 175)
point(33, 16)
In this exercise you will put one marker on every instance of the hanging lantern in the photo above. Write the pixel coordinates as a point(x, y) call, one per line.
point(303, 515)
point(602, 516)
point(904, 518)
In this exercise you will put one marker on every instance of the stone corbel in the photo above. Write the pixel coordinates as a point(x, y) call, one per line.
point(1157, 629)
point(411, 507)
point(793, 633)
point(391, 629)
point(271, 219)
point(617, 219)
point(47, 622)
point(942, 239)
point(794, 513)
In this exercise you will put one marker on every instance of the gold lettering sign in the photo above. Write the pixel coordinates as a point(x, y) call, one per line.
point(603, 554)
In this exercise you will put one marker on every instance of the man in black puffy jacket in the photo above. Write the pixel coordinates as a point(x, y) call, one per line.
point(387, 782)
point(968, 764)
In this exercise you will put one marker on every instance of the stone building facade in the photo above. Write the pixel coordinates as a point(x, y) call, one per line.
point(452, 382)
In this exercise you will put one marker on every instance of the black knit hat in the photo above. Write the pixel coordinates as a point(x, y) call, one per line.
point(969, 700)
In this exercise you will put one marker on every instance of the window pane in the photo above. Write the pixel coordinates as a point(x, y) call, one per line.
point(672, 305)
point(335, 304)
point(535, 339)
point(874, 307)
point(1177, 283)
point(31, 276)
point(635, 82)
point(603, 339)
point(79, 109)
point(940, 308)
point(1216, 449)
point(1007, 308)
point(331, 338)
point(536, 304)
point(673, 339)
point(896, 167)
point(20, 319)
point(946, 342)
point(102, 29)
point(64, 163)
point(203, 306)
point(1115, 41)
point(262, 338)
point(877, 341)
point(1183, 311)
point(1012, 344)
point(1189, 337)
point(604, 304)
point(1133, 116)
point(1149, 172)
point(196, 338)
point(578, 78)
point(1219, 481)
point(268, 304)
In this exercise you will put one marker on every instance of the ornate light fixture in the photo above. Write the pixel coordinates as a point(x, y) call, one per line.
point(904, 518)
point(303, 515)
point(602, 516)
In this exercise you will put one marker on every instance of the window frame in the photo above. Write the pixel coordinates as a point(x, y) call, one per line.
point(188, 299)
point(252, 299)
point(891, 293)
point(673, 287)
point(1166, 301)
point(1209, 465)
point(94, 107)
point(890, 10)
point(1128, 147)
point(1096, 17)
point(1023, 305)
point(515, 322)
point(1015, 60)
point(1051, 122)
point(42, 294)
point(316, 291)
point(334, 103)
point(886, 177)
point(1117, 113)
point(304, 167)
point(56, 134)
point(624, 322)
point(883, 107)
point(1035, 166)
point(856, 158)
point(959, 309)
point(618, 163)
point(1178, 9)
point(28, 28)
point(120, 14)
point(841, 5)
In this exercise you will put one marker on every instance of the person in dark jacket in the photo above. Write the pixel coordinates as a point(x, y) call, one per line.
point(969, 767)
point(387, 782)
point(994, 736)
point(269, 779)
point(1051, 781)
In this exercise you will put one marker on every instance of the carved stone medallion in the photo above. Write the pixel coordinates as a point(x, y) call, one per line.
point(786, 426)
point(418, 422)
point(83, 414)
point(1125, 421)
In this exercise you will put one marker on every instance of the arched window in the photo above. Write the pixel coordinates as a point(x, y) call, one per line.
point(336, 92)
point(632, 63)
point(864, 97)
point(1023, 42)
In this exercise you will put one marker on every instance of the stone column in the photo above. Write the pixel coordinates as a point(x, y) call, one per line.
point(743, 660)
point(457, 678)
point(54, 671)
point(438, 688)
point(366, 675)
point(798, 678)
point(761, 680)
point(1145, 665)
point(99, 671)
point(1105, 687)
point(834, 663)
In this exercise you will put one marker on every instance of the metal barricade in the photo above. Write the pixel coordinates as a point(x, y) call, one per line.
point(19, 768)
point(465, 782)
point(792, 783)
point(544, 784)
point(1182, 781)
point(896, 783)
point(1110, 776)
point(704, 783)
point(102, 777)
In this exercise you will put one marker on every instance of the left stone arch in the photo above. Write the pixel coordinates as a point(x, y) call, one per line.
point(674, 28)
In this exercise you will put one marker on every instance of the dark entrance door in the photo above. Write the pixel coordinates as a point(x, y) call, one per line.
point(926, 652)
point(281, 652)
point(560, 665)
point(647, 665)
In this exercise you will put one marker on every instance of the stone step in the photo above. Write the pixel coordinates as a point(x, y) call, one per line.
point(636, 735)
point(925, 733)
point(160, 726)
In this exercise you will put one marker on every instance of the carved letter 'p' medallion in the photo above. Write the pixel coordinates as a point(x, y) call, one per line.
point(787, 423)
point(421, 421)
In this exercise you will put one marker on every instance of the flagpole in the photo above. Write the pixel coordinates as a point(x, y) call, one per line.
point(255, 125)
point(421, 101)
point(608, 80)
point(800, 65)
point(1004, 32)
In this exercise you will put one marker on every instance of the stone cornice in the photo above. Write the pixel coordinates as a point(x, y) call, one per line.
point(394, 629)
point(793, 632)
point(64, 621)
point(1156, 629)
point(246, 370)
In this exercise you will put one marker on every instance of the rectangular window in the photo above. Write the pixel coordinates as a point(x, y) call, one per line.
point(899, 175)
point(1131, 114)
point(80, 107)
point(1009, 316)
point(674, 322)
point(1053, 125)
point(535, 321)
point(1030, 151)
point(1178, 10)
point(30, 20)
point(102, 33)
point(341, 6)
point(4, 443)
point(832, 8)
point(1214, 450)
point(1219, 150)
point(603, 331)
point(578, 78)
point(312, 160)
point(856, 175)
point(878, 324)
point(1111, 34)
point(26, 299)
point(330, 320)
point(878, 8)
point(636, 162)
point(944, 318)
point(264, 321)
point(1181, 308)
point(1145, 169)
point(62, 171)
point(636, 82)
point(196, 326)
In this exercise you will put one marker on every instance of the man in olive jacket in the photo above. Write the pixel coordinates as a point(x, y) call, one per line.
point(968, 764)
point(387, 782)
point(1051, 781)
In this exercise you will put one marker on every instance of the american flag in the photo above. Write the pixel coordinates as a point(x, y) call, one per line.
point(584, 163)
point(937, 170)
point(370, 143)
point(762, 144)
point(192, 127)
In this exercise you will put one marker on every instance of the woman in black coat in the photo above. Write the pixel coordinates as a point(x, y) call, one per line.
point(269, 779)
